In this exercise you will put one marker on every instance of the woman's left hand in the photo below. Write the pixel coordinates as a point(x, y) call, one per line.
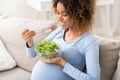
point(56, 60)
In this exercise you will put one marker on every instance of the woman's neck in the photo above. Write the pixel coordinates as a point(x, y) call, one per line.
point(70, 35)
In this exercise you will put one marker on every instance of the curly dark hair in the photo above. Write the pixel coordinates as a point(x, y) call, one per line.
point(80, 11)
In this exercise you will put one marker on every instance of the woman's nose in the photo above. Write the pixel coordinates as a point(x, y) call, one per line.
point(60, 18)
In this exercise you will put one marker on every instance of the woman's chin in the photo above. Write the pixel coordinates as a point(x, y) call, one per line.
point(64, 27)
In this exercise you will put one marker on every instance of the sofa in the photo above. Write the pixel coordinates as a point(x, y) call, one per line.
point(10, 34)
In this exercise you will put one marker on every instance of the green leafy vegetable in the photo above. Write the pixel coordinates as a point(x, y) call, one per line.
point(46, 49)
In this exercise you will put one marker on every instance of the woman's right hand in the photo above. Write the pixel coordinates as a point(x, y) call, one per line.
point(28, 35)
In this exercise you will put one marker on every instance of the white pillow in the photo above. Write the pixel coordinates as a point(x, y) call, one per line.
point(6, 61)
point(3, 16)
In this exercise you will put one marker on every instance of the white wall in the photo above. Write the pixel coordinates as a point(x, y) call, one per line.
point(17, 8)
point(20, 8)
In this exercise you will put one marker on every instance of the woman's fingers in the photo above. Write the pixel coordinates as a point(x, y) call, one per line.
point(32, 33)
point(24, 31)
point(27, 35)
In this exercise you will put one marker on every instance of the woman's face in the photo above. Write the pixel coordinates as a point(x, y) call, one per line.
point(62, 17)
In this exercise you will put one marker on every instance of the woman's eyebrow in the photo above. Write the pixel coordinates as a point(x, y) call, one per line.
point(62, 11)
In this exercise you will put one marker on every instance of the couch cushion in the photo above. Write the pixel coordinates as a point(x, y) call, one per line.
point(109, 54)
point(6, 60)
point(10, 31)
point(15, 74)
point(117, 72)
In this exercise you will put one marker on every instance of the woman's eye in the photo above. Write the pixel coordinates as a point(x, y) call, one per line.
point(65, 15)
point(58, 13)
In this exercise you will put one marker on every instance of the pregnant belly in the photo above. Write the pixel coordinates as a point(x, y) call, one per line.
point(44, 71)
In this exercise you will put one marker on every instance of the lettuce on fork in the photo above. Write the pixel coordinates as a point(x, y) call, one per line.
point(46, 49)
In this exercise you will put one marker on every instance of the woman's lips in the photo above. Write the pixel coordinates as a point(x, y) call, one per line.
point(62, 23)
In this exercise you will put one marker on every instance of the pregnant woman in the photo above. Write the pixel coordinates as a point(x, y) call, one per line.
point(78, 48)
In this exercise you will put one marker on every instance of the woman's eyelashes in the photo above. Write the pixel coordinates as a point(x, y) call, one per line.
point(64, 14)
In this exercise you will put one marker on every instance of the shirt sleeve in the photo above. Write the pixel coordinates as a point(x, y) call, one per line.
point(30, 51)
point(92, 64)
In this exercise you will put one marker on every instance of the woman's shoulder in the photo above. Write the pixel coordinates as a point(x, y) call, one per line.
point(57, 31)
point(90, 42)
point(90, 38)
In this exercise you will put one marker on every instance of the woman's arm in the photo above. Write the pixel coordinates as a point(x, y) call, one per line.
point(92, 64)
point(27, 36)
